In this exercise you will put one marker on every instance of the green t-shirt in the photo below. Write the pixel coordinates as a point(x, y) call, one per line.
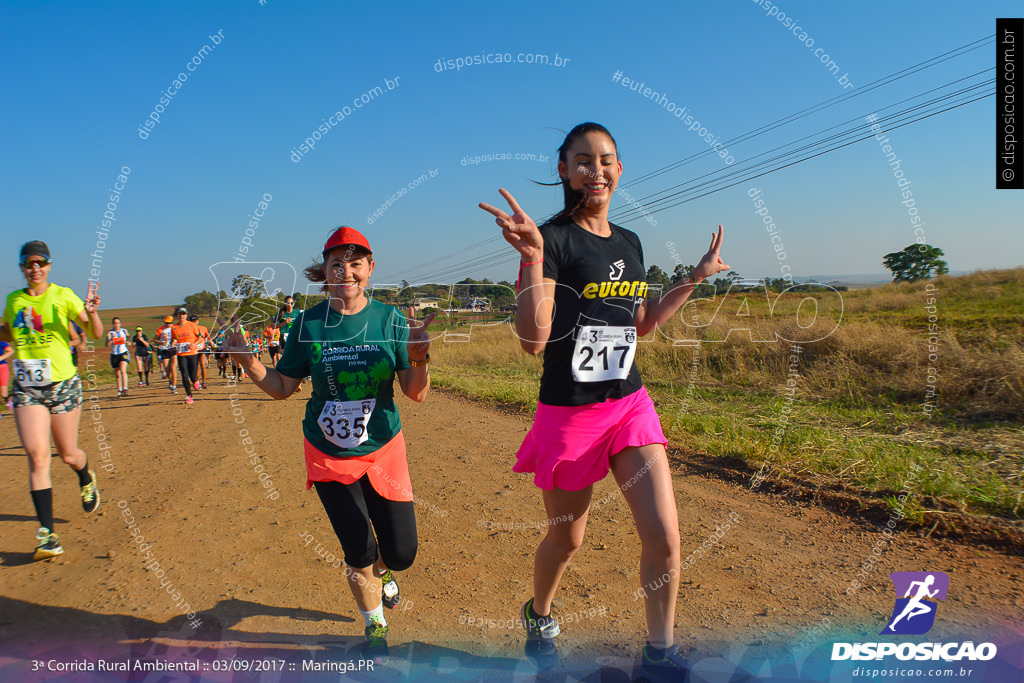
point(286, 320)
point(352, 361)
point(39, 325)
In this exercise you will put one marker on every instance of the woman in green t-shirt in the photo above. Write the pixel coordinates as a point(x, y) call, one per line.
point(353, 348)
point(47, 392)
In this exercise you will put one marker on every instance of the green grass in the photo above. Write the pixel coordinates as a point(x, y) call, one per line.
point(821, 438)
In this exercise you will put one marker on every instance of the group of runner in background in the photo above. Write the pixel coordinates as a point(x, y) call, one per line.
point(183, 346)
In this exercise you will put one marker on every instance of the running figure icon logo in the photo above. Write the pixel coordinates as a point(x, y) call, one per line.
point(914, 612)
point(621, 266)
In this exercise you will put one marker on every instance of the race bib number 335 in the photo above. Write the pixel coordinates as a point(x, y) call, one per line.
point(344, 423)
point(603, 353)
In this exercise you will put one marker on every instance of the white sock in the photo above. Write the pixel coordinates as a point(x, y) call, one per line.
point(375, 616)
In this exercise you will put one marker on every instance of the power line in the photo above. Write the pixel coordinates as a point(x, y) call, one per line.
point(619, 215)
point(433, 262)
point(779, 168)
point(812, 150)
point(885, 80)
point(901, 118)
point(847, 122)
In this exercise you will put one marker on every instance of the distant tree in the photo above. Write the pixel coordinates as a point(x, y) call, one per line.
point(915, 262)
point(721, 285)
point(244, 286)
point(256, 308)
point(680, 271)
point(504, 295)
point(657, 281)
point(306, 301)
point(201, 303)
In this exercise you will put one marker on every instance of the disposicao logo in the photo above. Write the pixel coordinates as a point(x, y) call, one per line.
point(917, 596)
point(914, 613)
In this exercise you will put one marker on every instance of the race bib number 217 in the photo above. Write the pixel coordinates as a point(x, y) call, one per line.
point(603, 353)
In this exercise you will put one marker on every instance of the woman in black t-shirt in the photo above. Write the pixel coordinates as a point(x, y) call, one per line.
point(143, 360)
point(594, 413)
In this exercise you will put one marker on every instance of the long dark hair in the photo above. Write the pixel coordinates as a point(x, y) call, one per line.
point(573, 200)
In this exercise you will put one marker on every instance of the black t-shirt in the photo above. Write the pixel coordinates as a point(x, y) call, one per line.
point(140, 348)
point(600, 282)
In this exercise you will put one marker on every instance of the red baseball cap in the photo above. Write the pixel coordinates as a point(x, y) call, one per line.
point(345, 236)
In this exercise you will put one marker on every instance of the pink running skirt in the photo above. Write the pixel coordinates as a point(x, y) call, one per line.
point(570, 447)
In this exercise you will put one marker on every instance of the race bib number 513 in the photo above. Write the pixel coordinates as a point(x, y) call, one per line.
point(344, 423)
point(603, 353)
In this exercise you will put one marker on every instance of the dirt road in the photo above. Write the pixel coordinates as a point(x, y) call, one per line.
point(258, 565)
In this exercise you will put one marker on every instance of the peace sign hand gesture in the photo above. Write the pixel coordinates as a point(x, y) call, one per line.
point(419, 340)
point(711, 263)
point(518, 229)
point(92, 297)
point(234, 341)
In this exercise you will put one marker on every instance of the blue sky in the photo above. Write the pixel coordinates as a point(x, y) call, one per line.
point(78, 80)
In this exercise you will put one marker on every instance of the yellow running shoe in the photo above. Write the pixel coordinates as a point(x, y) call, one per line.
point(49, 544)
point(90, 494)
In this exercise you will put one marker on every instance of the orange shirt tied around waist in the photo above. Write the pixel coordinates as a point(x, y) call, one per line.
point(387, 468)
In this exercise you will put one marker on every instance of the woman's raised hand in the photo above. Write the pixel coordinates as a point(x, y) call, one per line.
point(234, 340)
point(518, 229)
point(92, 297)
point(711, 263)
point(419, 340)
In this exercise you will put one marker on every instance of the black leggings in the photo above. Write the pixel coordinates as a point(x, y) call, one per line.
point(357, 511)
point(188, 368)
